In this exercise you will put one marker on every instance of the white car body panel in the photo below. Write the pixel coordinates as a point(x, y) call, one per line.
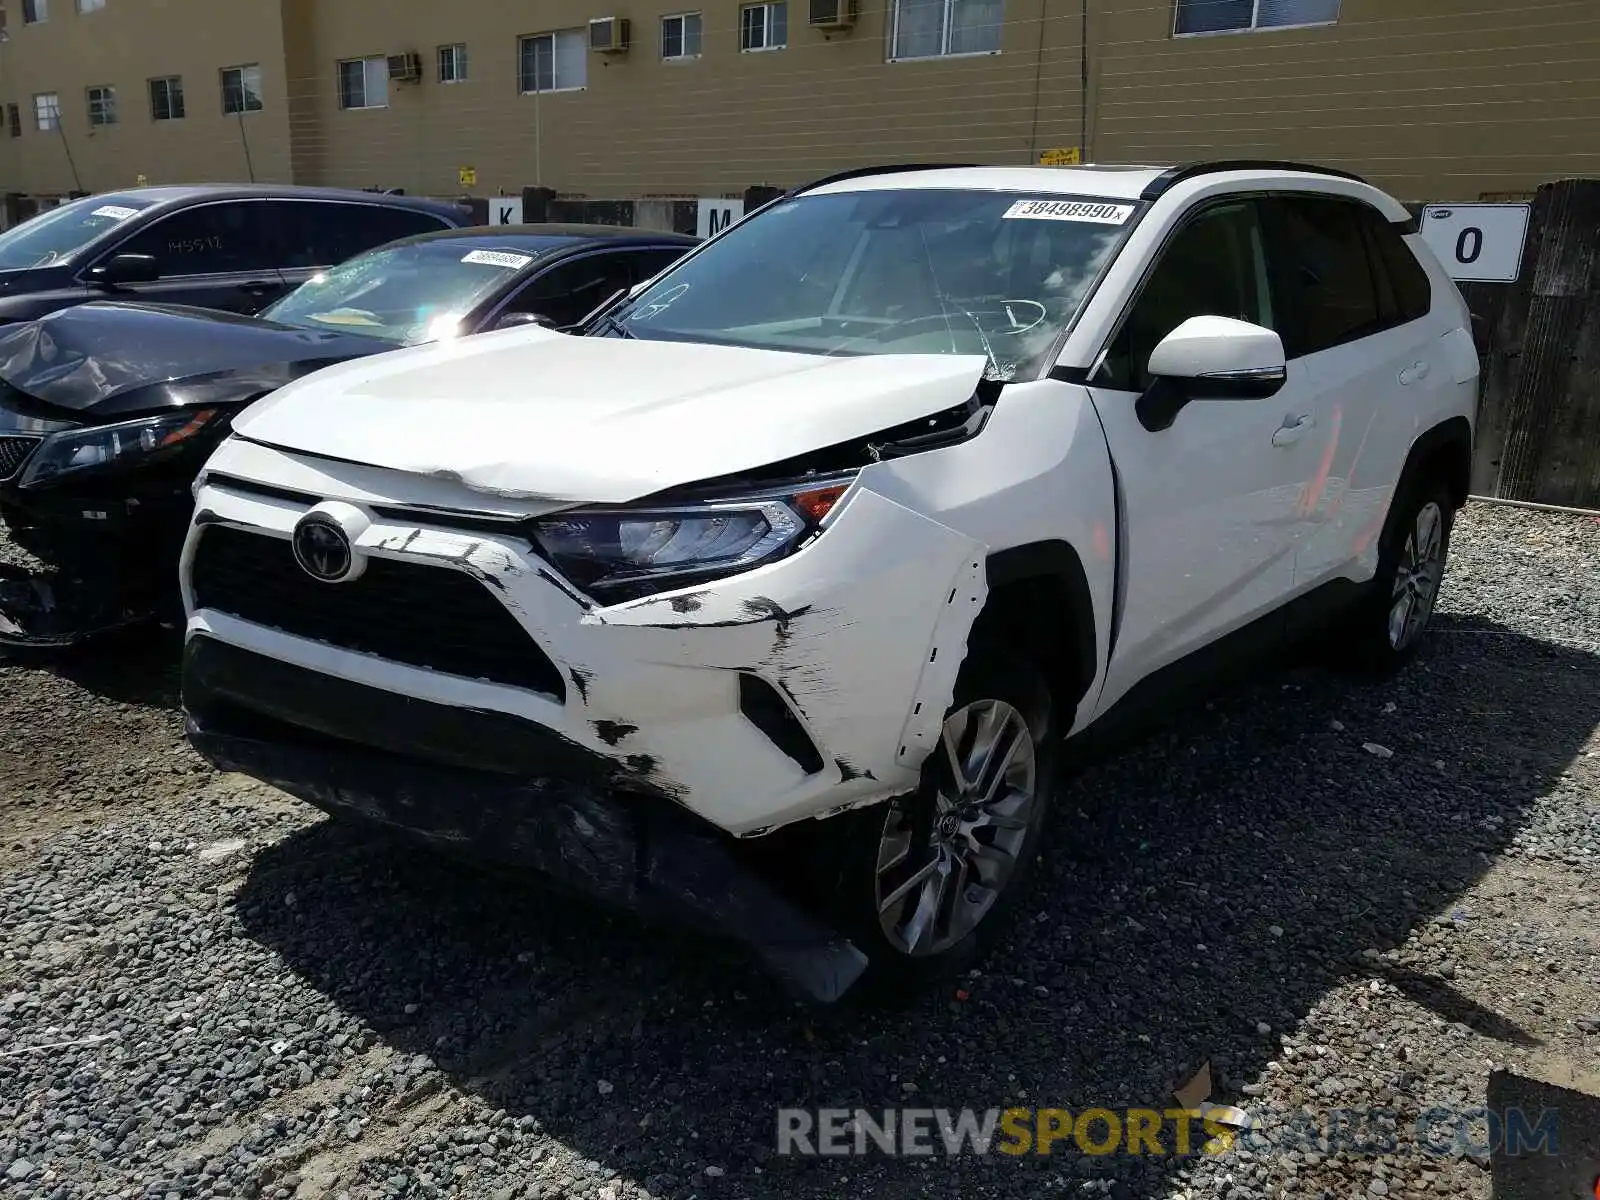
point(1038, 473)
point(1209, 523)
point(606, 420)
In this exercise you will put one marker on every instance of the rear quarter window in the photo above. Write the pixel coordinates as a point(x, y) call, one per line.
point(1412, 288)
point(322, 233)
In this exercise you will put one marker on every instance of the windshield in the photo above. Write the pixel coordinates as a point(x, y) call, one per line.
point(915, 271)
point(56, 234)
point(409, 293)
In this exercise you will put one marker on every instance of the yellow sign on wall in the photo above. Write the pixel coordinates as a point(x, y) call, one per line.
point(1063, 156)
point(469, 176)
point(141, 180)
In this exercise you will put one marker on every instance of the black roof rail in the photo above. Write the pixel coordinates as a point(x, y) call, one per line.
point(1167, 180)
point(886, 169)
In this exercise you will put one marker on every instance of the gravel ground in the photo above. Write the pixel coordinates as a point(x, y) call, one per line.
point(1340, 895)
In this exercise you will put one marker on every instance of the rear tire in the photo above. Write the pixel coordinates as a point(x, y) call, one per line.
point(926, 882)
point(1387, 627)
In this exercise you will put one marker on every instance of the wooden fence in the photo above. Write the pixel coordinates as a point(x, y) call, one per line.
point(1539, 422)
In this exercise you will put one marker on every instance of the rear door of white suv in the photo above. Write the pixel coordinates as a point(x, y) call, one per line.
point(1359, 323)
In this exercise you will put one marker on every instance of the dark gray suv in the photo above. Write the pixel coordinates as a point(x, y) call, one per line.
point(235, 248)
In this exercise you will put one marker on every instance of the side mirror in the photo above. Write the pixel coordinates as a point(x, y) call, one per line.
point(1211, 358)
point(512, 320)
point(126, 268)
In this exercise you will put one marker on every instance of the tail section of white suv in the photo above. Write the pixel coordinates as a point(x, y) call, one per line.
point(767, 602)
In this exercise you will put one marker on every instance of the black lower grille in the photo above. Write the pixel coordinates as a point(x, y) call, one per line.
point(14, 452)
point(424, 616)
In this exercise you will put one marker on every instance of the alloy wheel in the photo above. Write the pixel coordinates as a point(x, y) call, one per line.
point(943, 864)
point(1417, 577)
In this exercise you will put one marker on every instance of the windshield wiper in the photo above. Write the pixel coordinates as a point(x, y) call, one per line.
point(607, 315)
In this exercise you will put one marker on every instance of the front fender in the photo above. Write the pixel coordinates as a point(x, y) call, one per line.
point(864, 632)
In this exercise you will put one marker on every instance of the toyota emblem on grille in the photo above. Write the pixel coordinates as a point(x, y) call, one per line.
point(322, 548)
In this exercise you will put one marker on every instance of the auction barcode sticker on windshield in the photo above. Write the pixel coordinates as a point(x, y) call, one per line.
point(115, 211)
point(1070, 210)
point(498, 258)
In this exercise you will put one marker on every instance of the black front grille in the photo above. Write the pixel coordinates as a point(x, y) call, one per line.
point(425, 616)
point(14, 452)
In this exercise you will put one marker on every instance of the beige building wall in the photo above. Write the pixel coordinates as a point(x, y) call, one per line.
point(125, 44)
point(1434, 99)
point(1431, 99)
point(705, 126)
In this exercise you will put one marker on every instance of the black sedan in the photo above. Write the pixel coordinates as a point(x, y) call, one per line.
point(108, 409)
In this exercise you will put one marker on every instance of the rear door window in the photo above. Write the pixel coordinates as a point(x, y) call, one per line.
point(321, 233)
point(209, 239)
point(1327, 274)
point(1409, 282)
point(647, 264)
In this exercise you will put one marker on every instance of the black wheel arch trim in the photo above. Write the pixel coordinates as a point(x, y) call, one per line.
point(1452, 435)
point(1057, 562)
point(1433, 449)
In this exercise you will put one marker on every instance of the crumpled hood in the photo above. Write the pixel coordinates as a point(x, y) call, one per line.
point(92, 358)
point(531, 413)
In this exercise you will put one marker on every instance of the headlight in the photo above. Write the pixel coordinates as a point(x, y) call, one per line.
point(113, 445)
point(624, 553)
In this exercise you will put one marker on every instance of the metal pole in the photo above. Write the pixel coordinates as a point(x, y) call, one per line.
point(245, 138)
point(1530, 505)
point(77, 184)
point(1083, 82)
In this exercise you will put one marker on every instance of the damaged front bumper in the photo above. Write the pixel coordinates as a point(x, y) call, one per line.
point(408, 768)
point(110, 562)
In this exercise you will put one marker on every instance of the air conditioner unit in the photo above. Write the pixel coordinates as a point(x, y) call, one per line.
point(405, 68)
point(608, 35)
point(834, 14)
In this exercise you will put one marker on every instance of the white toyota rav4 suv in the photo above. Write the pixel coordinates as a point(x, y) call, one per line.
point(766, 603)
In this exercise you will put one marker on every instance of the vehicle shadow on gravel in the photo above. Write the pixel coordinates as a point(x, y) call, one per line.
point(1219, 876)
point(139, 665)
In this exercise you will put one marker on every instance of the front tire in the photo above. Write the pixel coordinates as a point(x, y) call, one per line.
point(1388, 626)
point(929, 880)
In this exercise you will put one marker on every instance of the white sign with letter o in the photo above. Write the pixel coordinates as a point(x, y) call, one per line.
point(713, 216)
point(1478, 243)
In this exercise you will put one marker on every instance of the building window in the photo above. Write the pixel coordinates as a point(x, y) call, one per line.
point(14, 120)
point(89, 6)
point(553, 62)
point(453, 63)
point(102, 106)
point(934, 28)
point(364, 82)
point(680, 36)
point(47, 111)
point(764, 26)
point(34, 11)
point(1242, 16)
point(166, 98)
point(241, 89)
